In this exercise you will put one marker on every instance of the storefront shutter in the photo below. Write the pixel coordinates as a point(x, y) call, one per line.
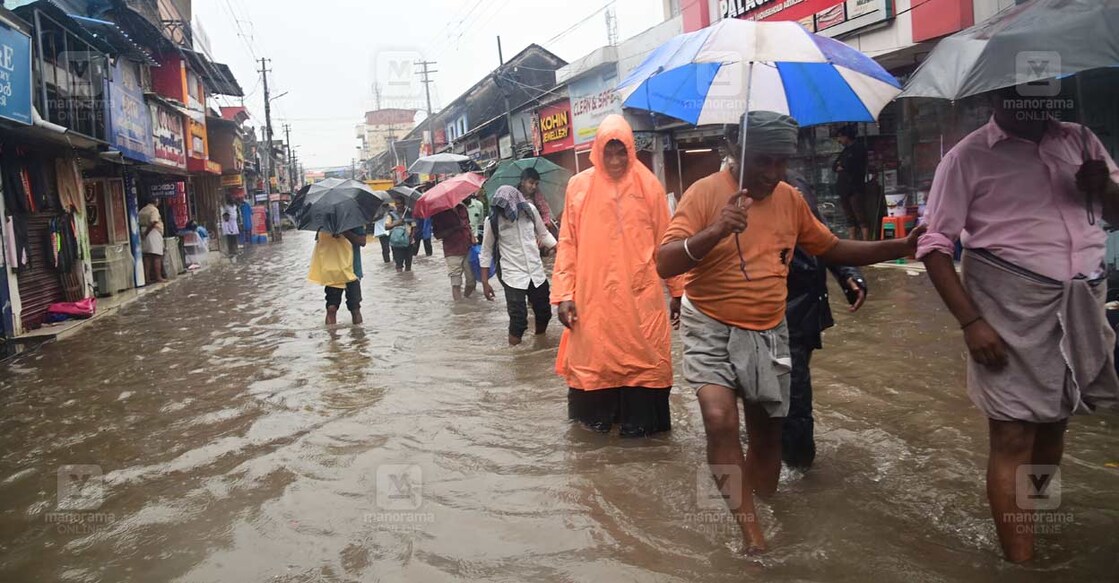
point(40, 286)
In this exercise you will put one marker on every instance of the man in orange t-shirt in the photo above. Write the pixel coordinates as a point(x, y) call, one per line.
point(736, 343)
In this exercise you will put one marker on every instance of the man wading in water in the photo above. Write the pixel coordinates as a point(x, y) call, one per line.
point(1022, 194)
point(736, 343)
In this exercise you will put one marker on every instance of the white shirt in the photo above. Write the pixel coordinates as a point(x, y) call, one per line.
point(230, 227)
point(519, 243)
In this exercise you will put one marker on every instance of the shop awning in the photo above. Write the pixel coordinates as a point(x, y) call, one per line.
point(53, 12)
point(117, 38)
point(218, 78)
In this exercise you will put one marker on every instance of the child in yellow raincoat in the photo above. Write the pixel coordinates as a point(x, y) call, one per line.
point(336, 265)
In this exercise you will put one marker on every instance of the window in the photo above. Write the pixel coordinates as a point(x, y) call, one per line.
point(70, 79)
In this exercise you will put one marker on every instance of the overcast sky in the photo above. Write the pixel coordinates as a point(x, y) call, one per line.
point(327, 54)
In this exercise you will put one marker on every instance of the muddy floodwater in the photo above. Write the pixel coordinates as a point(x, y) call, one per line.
point(216, 431)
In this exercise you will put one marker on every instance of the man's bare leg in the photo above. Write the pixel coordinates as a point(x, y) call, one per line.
point(331, 315)
point(1049, 443)
point(720, 418)
point(456, 292)
point(866, 233)
point(1012, 446)
point(514, 340)
point(763, 452)
point(356, 314)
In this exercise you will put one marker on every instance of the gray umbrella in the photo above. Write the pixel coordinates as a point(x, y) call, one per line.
point(1037, 42)
point(443, 164)
point(406, 193)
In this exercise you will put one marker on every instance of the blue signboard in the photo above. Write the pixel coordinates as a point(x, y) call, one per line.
point(130, 120)
point(15, 75)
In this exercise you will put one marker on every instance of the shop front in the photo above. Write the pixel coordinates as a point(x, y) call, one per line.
point(45, 240)
point(164, 181)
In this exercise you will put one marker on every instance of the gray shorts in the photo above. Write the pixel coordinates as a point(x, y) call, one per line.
point(756, 365)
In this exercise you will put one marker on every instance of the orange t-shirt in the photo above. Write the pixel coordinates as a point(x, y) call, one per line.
point(777, 225)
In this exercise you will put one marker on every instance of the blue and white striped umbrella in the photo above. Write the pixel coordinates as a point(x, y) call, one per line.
point(708, 76)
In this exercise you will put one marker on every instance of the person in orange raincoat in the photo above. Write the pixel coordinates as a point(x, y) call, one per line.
point(616, 351)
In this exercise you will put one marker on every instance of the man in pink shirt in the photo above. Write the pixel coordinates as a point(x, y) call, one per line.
point(1024, 194)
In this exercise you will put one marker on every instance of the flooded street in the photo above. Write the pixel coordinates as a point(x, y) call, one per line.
point(237, 439)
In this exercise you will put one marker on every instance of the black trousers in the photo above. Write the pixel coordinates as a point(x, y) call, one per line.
point(385, 248)
point(416, 247)
point(403, 257)
point(798, 445)
point(539, 297)
point(353, 295)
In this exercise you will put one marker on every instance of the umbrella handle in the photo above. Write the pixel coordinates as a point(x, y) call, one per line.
point(745, 128)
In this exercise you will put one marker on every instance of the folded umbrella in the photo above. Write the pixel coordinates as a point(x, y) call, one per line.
point(447, 194)
point(336, 205)
point(553, 179)
point(443, 164)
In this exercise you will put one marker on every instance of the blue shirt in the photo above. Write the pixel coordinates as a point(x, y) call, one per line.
point(425, 228)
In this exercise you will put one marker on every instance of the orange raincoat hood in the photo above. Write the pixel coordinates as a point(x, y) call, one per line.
point(614, 127)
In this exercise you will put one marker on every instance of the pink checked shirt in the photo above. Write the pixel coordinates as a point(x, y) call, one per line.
point(1018, 199)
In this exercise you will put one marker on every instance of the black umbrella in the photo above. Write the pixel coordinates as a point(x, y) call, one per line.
point(443, 164)
point(406, 193)
point(336, 205)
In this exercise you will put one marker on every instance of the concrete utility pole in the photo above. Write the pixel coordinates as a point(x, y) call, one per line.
point(427, 92)
point(611, 27)
point(264, 70)
point(504, 94)
point(287, 147)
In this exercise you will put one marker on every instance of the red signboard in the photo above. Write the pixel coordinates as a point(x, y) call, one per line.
point(260, 214)
point(840, 16)
point(555, 128)
point(777, 9)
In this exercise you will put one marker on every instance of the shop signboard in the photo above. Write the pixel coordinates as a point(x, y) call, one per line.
point(592, 99)
point(168, 189)
point(488, 148)
point(232, 180)
point(260, 219)
point(198, 144)
point(130, 120)
point(167, 135)
point(505, 147)
point(828, 17)
point(15, 75)
point(473, 148)
point(555, 128)
point(537, 144)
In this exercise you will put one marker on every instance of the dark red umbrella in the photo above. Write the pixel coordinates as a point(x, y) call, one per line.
point(447, 194)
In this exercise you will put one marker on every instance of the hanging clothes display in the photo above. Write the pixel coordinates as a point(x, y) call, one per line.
point(69, 184)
